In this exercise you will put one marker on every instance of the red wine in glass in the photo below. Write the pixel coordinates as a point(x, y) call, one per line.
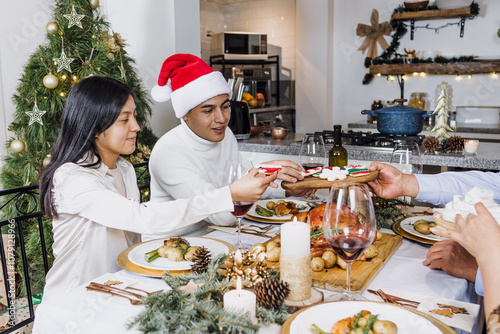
point(349, 248)
point(311, 165)
point(241, 208)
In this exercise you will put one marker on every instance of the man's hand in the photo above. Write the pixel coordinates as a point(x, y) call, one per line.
point(449, 256)
point(391, 183)
point(290, 170)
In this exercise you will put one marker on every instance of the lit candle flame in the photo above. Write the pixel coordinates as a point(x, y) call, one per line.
point(295, 219)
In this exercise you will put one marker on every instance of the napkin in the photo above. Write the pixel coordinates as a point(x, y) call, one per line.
point(125, 281)
point(457, 320)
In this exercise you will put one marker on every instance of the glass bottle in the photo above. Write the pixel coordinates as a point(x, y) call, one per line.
point(417, 100)
point(376, 105)
point(338, 154)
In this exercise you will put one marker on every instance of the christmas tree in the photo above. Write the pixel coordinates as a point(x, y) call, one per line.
point(441, 128)
point(79, 44)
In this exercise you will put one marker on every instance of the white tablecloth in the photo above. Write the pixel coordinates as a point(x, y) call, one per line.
point(80, 312)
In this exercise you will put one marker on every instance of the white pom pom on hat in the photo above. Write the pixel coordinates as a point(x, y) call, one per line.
point(192, 82)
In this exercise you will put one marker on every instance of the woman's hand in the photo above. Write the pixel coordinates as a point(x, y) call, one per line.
point(391, 183)
point(290, 170)
point(478, 234)
point(251, 186)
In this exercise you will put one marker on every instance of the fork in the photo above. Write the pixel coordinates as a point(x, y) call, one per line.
point(260, 228)
point(113, 289)
point(146, 292)
point(132, 301)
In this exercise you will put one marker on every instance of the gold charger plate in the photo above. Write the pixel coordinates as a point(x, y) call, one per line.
point(124, 262)
point(445, 329)
point(396, 227)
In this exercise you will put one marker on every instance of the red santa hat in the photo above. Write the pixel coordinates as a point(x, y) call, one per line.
point(192, 82)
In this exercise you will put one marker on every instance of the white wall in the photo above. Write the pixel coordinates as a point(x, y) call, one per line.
point(153, 30)
point(329, 88)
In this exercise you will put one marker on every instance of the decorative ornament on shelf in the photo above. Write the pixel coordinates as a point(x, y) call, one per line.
point(431, 144)
point(17, 146)
point(373, 34)
point(63, 62)
point(246, 265)
point(46, 161)
point(94, 4)
point(441, 128)
point(51, 28)
point(35, 115)
point(454, 144)
point(74, 18)
point(50, 81)
point(271, 292)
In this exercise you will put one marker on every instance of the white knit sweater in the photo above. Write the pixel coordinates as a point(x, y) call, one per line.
point(182, 164)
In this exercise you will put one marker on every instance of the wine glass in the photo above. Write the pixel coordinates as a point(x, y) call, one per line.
point(406, 157)
point(349, 226)
point(312, 151)
point(233, 171)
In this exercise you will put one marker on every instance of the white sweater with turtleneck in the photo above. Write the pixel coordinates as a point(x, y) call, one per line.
point(182, 165)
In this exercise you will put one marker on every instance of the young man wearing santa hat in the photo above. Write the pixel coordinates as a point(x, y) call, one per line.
point(189, 159)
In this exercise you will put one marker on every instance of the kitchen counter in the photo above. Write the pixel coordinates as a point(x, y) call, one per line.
point(487, 158)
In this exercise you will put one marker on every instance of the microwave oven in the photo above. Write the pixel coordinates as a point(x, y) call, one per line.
point(240, 45)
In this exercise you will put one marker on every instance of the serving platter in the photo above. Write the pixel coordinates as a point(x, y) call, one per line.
point(325, 315)
point(125, 263)
point(312, 182)
point(253, 215)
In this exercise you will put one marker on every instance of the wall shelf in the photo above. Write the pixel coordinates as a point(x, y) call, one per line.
point(435, 14)
point(473, 67)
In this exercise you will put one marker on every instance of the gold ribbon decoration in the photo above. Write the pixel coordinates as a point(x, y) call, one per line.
point(373, 34)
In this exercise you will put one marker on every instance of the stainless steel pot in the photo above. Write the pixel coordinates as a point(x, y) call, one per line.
point(399, 120)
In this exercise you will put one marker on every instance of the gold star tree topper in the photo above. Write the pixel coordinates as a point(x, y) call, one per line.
point(35, 115)
point(74, 18)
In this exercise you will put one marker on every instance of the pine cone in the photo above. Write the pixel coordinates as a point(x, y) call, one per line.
point(445, 145)
point(271, 293)
point(456, 143)
point(201, 259)
point(431, 144)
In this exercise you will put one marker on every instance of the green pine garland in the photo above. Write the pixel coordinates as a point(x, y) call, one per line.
point(178, 312)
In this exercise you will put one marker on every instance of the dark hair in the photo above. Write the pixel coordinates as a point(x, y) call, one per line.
point(92, 106)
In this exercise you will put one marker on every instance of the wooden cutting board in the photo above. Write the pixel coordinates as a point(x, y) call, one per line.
point(362, 273)
point(314, 182)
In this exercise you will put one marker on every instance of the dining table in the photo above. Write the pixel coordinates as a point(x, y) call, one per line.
point(81, 311)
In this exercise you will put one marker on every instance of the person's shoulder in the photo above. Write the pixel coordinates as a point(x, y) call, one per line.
point(71, 173)
point(168, 140)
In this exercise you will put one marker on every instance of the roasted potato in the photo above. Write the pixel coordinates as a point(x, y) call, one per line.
point(371, 252)
point(317, 264)
point(175, 242)
point(270, 205)
point(330, 259)
point(190, 253)
point(341, 263)
point(171, 253)
point(258, 248)
point(270, 245)
point(384, 327)
point(273, 254)
point(423, 228)
point(420, 221)
point(280, 202)
point(379, 235)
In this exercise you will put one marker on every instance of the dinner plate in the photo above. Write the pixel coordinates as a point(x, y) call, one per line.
point(137, 255)
point(325, 315)
point(407, 226)
point(253, 214)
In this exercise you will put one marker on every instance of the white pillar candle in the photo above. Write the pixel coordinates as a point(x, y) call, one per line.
point(470, 146)
point(295, 259)
point(240, 301)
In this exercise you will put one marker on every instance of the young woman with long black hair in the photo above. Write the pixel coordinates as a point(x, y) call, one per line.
point(91, 193)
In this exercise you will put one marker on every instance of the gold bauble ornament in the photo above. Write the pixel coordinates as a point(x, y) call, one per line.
point(50, 81)
point(94, 4)
point(17, 146)
point(51, 28)
point(46, 161)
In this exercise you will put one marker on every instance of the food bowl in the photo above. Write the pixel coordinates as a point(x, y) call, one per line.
point(256, 130)
point(449, 4)
point(279, 133)
point(415, 5)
